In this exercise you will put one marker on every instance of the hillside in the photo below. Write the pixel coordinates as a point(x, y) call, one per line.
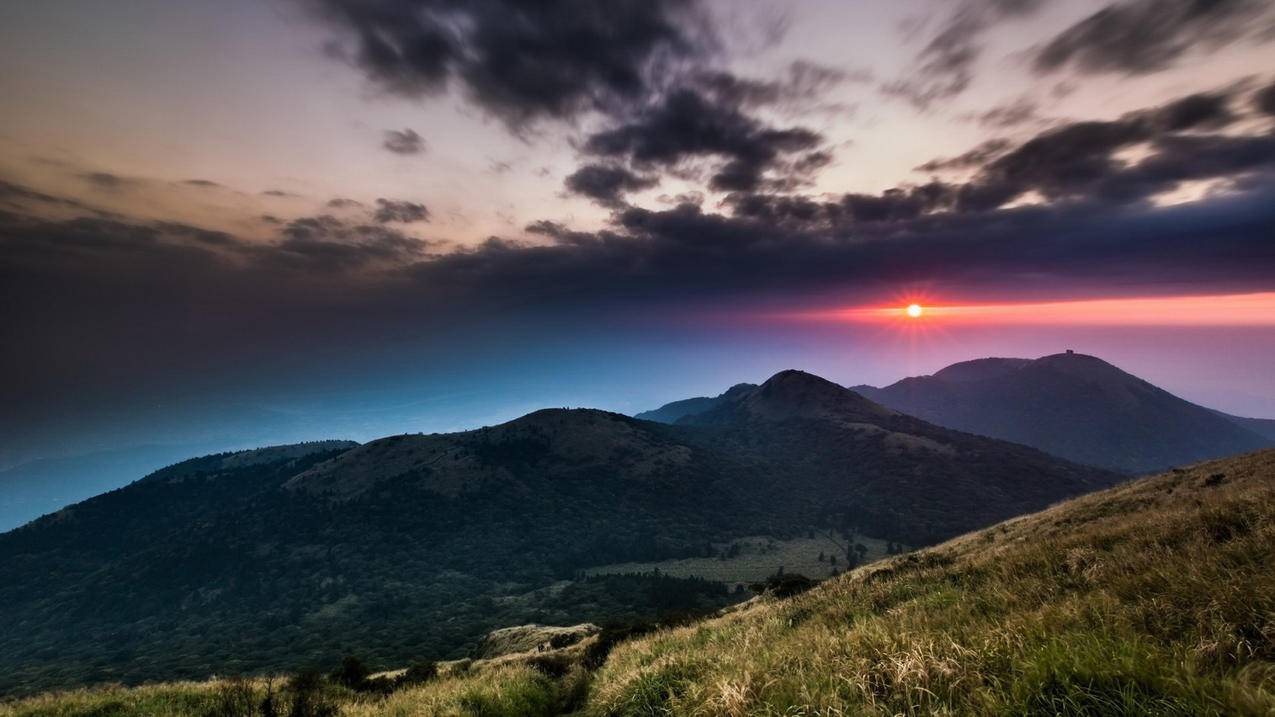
point(415, 546)
point(675, 411)
point(1153, 598)
point(877, 471)
point(1074, 406)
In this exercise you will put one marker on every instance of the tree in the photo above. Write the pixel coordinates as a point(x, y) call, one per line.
point(353, 672)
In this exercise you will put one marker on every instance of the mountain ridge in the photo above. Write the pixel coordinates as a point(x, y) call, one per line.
point(421, 544)
point(1071, 405)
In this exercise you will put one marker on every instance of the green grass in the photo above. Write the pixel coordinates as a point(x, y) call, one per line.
point(1155, 598)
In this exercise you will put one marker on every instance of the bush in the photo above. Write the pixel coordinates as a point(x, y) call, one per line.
point(353, 673)
point(419, 673)
point(308, 698)
point(783, 585)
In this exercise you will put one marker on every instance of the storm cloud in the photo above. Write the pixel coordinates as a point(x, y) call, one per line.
point(607, 184)
point(520, 62)
point(687, 125)
point(405, 142)
point(399, 211)
point(1143, 36)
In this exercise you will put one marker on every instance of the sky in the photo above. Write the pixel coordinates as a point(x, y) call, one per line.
point(252, 221)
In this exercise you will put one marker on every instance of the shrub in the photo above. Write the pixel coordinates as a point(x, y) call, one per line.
point(353, 673)
point(783, 585)
point(418, 673)
point(307, 697)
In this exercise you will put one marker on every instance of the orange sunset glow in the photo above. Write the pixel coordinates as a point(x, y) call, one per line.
point(1256, 309)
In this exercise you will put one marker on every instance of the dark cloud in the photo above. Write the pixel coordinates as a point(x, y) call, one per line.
point(1264, 100)
point(279, 193)
point(1077, 159)
point(692, 197)
point(790, 245)
point(1204, 110)
point(405, 141)
point(1014, 114)
point(403, 212)
point(607, 184)
point(198, 234)
point(1143, 36)
point(1081, 161)
point(343, 203)
point(944, 67)
point(108, 181)
point(203, 183)
point(800, 88)
point(1181, 158)
point(11, 193)
point(686, 125)
point(974, 158)
point(340, 248)
point(519, 61)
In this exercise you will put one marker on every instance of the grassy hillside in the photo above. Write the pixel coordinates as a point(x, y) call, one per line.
point(1154, 598)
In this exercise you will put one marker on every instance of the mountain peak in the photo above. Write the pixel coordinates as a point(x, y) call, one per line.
point(798, 394)
point(980, 369)
point(1075, 406)
point(797, 377)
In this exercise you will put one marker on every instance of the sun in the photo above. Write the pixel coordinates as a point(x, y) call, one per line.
point(914, 311)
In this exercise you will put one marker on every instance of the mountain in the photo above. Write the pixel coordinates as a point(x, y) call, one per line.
point(1264, 427)
point(888, 474)
point(417, 545)
point(672, 412)
point(1056, 613)
point(1074, 406)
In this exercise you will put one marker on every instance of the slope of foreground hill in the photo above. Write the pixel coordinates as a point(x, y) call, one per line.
point(1074, 406)
point(414, 546)
point(1154, 598)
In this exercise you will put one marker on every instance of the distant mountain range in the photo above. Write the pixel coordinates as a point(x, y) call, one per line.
point(414, 546)
point(1071, 405)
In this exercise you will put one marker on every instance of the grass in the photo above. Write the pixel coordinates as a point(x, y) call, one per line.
point(508, 691)
point(1157, 598)
point(173, 699)
point(1154, 598)
point(511, 691)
